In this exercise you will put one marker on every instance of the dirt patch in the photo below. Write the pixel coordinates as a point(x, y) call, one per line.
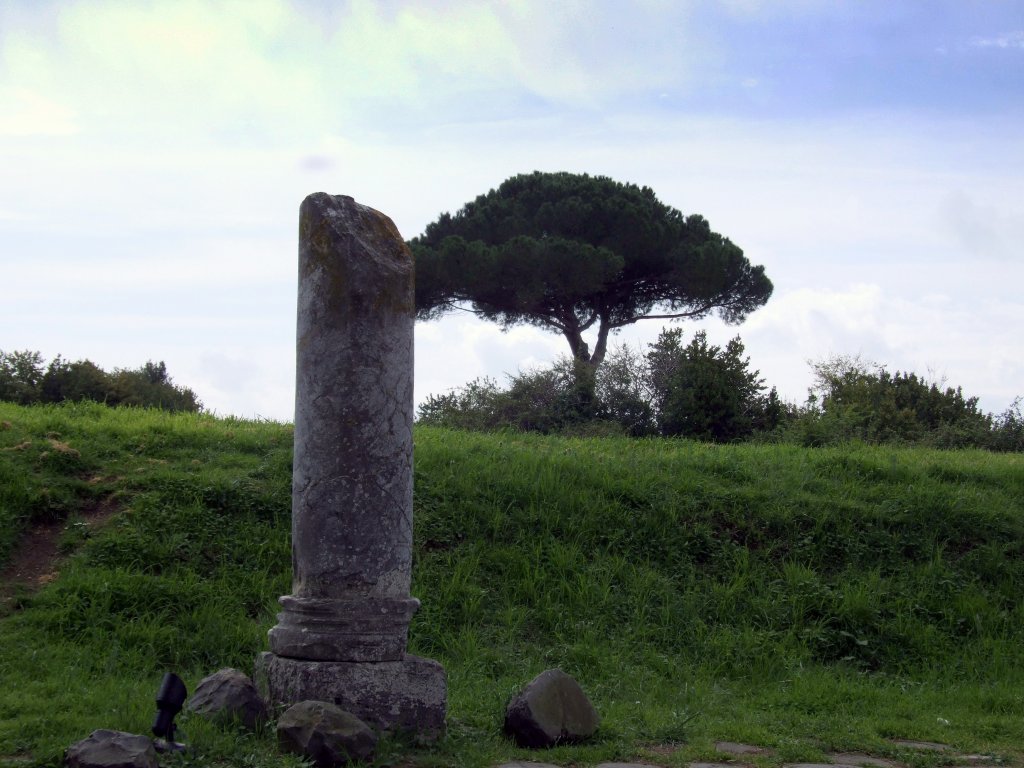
point(64, 448)
point(37, 558)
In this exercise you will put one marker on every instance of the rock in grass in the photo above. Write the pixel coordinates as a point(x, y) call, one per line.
point(229, 696)
point(112, 749)
point(325, 734)
point(551, 709)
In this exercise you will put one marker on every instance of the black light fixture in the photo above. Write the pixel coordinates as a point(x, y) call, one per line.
point(169, 700)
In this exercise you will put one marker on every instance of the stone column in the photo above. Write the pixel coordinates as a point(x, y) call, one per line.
point(343, 631)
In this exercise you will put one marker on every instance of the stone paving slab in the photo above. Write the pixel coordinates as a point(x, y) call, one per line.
point(859, 758)
point(930, 746)
point(736, 748)
point(841, 759)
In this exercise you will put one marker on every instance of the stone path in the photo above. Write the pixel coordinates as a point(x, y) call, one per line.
point(837, 759)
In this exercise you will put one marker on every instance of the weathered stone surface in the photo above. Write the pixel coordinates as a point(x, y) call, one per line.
point(551, 709)
point(736, 748)
point(408, 695)
point(625, 765)
point(342, 634)
point(352, 477)
point(859, 758)
point(520, 764)
point(365, 629)
point(227, 696)
point(926, 746)
point(112, 749)
point(325, 734)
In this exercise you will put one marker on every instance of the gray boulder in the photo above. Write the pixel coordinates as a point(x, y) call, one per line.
point(325, 734)
point(112, 749)
point(229, 696)
point(551, 709)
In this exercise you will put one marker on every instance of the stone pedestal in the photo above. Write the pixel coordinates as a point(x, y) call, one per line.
point(407, 695)
point(341, 636)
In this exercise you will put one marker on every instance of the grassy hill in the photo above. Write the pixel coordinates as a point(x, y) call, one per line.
point(803, 599)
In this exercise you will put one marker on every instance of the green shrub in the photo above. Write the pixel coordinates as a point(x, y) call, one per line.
point(1008, 429)
point(20, 376)
point(623, 393)
point(544, 400)
point(705, 391)
point(24, 381)
point(858, 400)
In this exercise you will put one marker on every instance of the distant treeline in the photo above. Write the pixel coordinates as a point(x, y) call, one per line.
point(703, 391)
point(26, 379)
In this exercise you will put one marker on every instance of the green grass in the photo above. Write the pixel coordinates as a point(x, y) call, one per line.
point(803, 599)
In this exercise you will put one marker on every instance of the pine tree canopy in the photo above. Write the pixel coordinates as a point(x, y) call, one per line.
point(571, 252)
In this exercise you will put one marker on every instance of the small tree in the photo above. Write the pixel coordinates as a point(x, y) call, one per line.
point(155, 373)
point(622, 394)
point(20, 376)
point(702, 390)
point(80, 380)
point(151, 387)
point(771, 413)
point(1008, 428)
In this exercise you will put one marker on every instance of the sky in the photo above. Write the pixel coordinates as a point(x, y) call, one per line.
point(154, 153)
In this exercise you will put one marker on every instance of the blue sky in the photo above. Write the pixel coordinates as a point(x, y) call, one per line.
point(153, 156)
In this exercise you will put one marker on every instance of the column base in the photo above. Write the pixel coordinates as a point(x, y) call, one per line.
point(408, 695)
point(328, 629)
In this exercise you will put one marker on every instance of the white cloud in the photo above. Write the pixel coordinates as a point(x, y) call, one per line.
point(991, 229)
point(223, 263)
point(135, 71)
point(233, 381)
point(942, 336)
point(766, 9)
point(1008, 40)
point(27, 113)
point(231, 72)
point(459, 348)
